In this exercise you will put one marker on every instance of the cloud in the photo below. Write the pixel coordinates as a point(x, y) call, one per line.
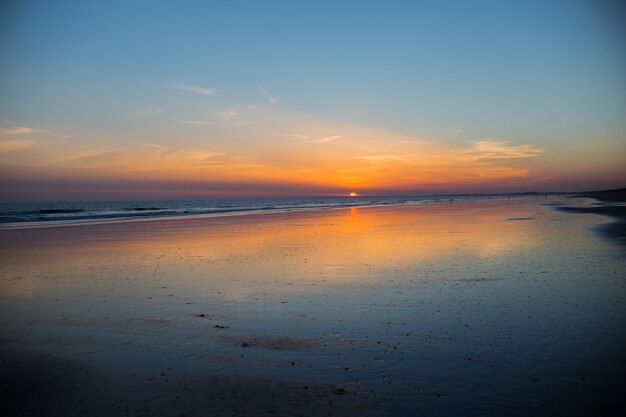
point(19, 130)
point(307, 139)
point(59, 136)
point(384, 157)
point(319, 152)
point(14, 145)
point(455, 132)
point(271, 99)
point(155, 158)
point(298, 136)
point(196, 122)
point(39, 134)
point(192, 89)
point(324, 140)
point(151, 111)
point(493, 149)
point(233, 117)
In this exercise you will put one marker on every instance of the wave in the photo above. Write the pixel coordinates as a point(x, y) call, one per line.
point(143, 208)
point(60, 211)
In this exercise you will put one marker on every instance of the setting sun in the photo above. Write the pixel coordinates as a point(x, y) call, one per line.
point(353, 194)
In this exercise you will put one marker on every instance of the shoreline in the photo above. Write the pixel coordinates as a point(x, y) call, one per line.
point(607, 204)
point(614, 230)
point(247, 213)
point(618, 195)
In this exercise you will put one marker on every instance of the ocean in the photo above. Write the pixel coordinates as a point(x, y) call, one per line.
point(19, 215)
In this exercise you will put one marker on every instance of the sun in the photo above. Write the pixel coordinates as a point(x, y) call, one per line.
point(353, 194)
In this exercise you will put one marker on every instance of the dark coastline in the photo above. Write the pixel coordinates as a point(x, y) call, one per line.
point(605, 206)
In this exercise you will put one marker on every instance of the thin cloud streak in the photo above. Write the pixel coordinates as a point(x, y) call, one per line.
point(19, 130)
point(324, 140)
point(494, 149)
point(208, 92)
point(196, 122)
point(271, 99)
point(233, 117)
point(151, 111)
point(307, 139)
point(360, 157)
point(36, 137)
point(15, 145)
point(383, 158)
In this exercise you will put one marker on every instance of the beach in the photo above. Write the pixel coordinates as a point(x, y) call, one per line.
point(491, 307)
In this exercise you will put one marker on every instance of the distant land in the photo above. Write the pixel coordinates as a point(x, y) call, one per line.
point(606, 195)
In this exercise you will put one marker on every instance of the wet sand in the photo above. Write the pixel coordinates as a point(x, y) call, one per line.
point(615, 230)
point(496, 307)
point(609, 203)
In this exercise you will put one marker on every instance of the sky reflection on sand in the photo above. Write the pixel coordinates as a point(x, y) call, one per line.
point(336, 245)
point(438, 308)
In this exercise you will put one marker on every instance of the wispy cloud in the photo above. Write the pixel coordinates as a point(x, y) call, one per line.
point(323, 140)
point(493, 149)
point(233, 117)
point(58, 136)
point(283, 147)
point(384, 157)
point(196, 122)
point(192, 89)
point(307, 139)
point(298, 136)
point(15, 145)
point(35, 135)
point(151, 111)
point(152, 157)
point(271, 99)
point(19, 130)
point(456, 132)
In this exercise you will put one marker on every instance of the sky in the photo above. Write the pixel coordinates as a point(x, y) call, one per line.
point(104, 100)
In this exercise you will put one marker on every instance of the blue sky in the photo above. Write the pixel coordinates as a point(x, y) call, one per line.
point(544, 73)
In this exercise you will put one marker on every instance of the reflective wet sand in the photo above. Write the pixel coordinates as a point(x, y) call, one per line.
point(476, 308)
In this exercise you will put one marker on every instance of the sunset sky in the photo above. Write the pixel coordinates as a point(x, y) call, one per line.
point(195, 99)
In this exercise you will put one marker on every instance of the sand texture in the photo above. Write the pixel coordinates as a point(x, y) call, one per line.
point(486, 308)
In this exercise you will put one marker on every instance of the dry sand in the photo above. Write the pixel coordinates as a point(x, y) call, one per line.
point(495, 307)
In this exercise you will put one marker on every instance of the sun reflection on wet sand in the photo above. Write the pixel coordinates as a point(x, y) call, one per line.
point(467, 300)
point(335, 245)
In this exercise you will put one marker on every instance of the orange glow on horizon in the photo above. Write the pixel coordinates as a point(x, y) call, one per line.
point(291, 154)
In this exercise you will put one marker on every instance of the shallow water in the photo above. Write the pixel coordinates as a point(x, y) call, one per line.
point(28, 215)
point(474, 308)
